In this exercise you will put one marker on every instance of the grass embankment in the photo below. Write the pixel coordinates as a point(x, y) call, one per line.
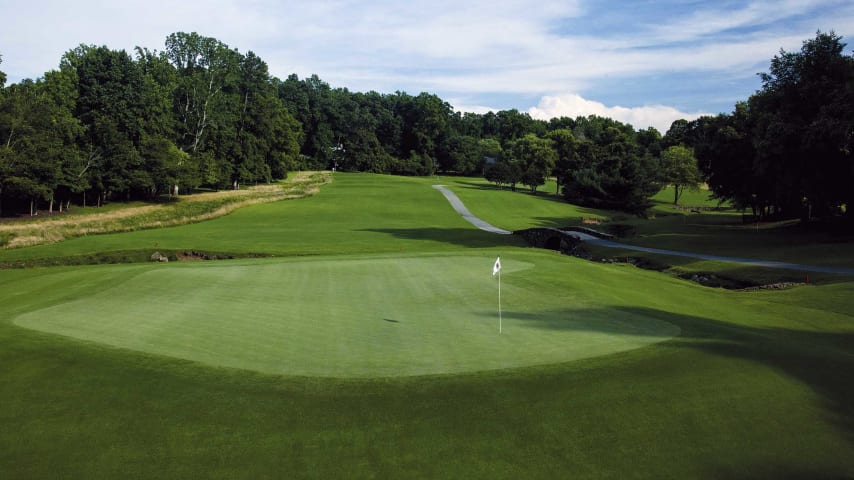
point(756, 384)
point(183, 210)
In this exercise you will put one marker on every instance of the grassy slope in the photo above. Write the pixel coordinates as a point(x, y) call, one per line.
point(757, 385)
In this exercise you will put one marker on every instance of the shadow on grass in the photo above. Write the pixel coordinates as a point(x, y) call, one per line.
point(463, 237)
point(476, 185)
point(824, 361)
point(520, 189)
point(597, 320)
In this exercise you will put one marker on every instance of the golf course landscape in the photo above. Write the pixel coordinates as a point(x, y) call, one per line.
point(355, 333)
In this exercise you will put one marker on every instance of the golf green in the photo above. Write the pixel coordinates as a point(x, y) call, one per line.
point(362, 316)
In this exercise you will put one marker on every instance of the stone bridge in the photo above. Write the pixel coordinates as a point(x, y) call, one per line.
point(549, 238)
point(562, 240)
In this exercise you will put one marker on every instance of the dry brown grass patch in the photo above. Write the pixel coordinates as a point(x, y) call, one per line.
point(184, 211)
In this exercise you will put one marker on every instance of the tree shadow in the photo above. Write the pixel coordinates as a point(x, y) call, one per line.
point(476, 185)
point(463, 237)
point(597, 320)
point(520, 189)
point(822, 361)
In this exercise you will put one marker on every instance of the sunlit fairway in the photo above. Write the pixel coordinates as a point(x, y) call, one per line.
point(367, 346)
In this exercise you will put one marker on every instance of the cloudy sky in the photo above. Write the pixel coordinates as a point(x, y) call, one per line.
point(641, 62)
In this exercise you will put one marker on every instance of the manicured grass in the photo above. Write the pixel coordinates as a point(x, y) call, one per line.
point(354, 317)
point(699, 197)
point(361, 214)
point(518, 210)
point(755, 385)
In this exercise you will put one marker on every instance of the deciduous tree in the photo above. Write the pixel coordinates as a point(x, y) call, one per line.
point(679, 168)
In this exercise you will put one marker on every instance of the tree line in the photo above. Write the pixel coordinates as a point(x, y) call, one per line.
point(788, 151)
point(110, 125)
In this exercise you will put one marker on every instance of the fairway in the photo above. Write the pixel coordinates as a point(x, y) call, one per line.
point(368, 333)
point(356, 317)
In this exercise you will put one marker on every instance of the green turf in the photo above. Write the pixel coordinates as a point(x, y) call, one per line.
point(518, 210)
point(359, 214)
point(755, 384)
point(363, 317)
point(698, 197)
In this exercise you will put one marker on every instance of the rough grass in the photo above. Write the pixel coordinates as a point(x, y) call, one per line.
point(185, 210)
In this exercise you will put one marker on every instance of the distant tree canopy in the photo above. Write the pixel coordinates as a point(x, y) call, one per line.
point(788, 151)
point(110, 125)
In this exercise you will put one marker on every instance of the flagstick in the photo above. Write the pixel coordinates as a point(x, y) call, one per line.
point(499, 300)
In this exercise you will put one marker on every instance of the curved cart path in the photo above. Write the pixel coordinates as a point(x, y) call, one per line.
point(462, 210)
point(702, 256)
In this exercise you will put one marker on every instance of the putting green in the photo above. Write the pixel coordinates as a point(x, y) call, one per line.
point(350, 317)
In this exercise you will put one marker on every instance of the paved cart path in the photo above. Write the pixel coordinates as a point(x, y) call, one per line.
point(462, 210)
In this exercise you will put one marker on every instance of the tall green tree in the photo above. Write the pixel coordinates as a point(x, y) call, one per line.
point(725, 153)
point(464, 155)
point(39, 135)
point(111, 106)
point(787, 151)
point(535, 158)
point(513, 125)
point(424, 124)
point(310, 102)
point(207, 68)
point(566, 148)
point(679, 168)
point(614, 169)
point(803, 127)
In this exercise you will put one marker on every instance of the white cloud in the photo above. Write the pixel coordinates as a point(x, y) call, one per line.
point(573, 105)
point(448, 47)
point(461, 106)
point(721, 18)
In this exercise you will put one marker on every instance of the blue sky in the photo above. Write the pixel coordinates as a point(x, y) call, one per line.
point(642, 62)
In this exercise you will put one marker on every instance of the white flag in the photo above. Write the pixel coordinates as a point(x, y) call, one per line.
point(497, 267)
